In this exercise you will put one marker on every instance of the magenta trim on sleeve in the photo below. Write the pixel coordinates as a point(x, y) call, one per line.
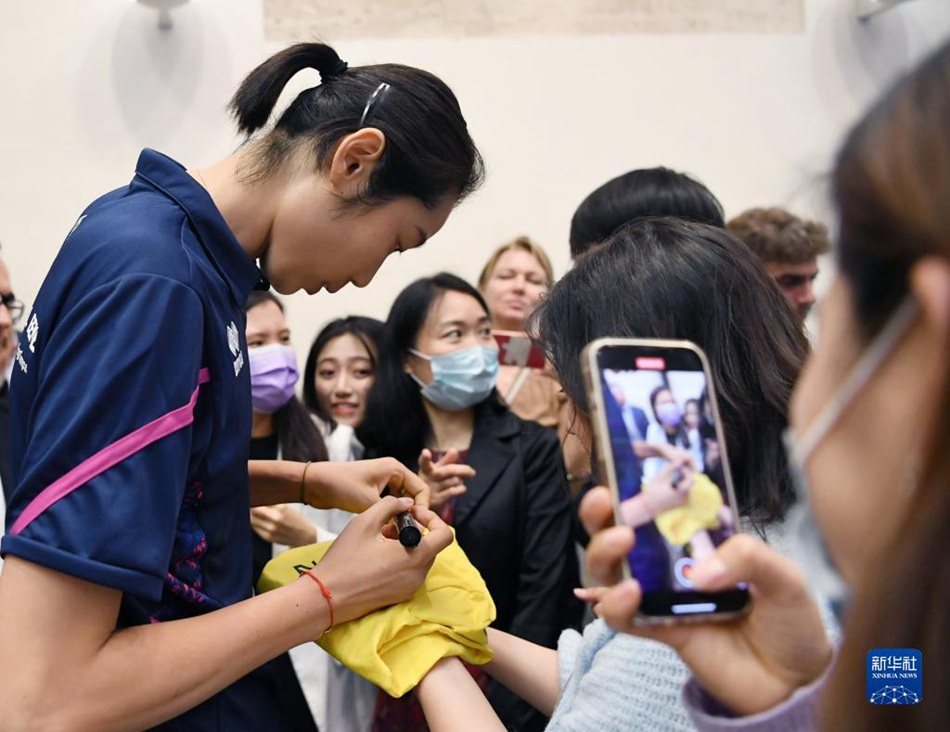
point(111, 456)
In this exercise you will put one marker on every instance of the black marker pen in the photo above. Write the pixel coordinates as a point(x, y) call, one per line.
point(409, 534)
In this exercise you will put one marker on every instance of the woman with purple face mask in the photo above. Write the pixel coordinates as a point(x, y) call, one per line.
point(282, 428)
point(670, 428)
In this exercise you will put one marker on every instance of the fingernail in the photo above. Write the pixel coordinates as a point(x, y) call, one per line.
point(581, 593)
point(709, 571)
point(406, 501)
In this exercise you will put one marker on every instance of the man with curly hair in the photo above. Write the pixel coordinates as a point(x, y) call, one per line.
point(788, 248)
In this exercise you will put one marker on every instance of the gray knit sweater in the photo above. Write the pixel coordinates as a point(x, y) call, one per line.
point(613, 681)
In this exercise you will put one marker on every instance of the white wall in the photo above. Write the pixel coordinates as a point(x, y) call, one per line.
point(85, 85)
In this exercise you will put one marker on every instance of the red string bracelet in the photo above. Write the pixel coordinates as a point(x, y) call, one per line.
point(325, 592)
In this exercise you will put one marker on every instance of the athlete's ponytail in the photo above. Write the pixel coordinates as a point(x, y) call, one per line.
point(258, 93)
point(428, 152)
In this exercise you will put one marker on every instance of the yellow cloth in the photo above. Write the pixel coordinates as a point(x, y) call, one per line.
point(395, 647)
point(701, 511)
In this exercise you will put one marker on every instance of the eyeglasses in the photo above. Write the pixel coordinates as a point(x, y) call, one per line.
point(374, 97)
point(13, 305)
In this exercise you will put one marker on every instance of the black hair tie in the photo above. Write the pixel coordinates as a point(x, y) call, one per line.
point(336, 71)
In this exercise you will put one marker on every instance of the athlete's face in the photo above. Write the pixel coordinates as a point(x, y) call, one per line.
point(321, 237)
point(311, 250)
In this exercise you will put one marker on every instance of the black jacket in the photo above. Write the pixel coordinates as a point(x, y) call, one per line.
point(514, 523)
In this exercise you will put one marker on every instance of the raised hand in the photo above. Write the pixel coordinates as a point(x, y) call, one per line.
point(445, 477)
point(355, 486)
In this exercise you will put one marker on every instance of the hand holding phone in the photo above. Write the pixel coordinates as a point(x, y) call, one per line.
point(747, 666)
point(680, 507)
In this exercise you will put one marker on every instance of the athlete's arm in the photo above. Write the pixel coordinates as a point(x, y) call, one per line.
point(352, 486)
point(64, 666)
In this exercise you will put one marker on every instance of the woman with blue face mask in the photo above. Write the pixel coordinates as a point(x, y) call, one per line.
point(497, 479)
point(870, 442)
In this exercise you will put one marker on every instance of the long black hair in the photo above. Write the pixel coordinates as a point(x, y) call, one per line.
point(396, 423)
point(299, 437)
point(428, 152)
point(647, 192)
point(366, 330)
point(667, 278)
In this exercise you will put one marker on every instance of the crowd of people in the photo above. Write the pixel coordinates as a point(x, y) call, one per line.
point(160, 445)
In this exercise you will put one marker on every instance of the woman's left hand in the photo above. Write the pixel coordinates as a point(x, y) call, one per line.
point(282, 524)
point(356, 486)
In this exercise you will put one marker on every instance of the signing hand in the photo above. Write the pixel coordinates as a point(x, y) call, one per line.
point(357, 485)
point(670, 487)
point(444, 477)
point(749, 664)
point(367, 568)
point(667, 489)
point(282, 524)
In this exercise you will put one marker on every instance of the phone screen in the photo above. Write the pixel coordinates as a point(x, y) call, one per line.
point(516, 349)
point(670, 472)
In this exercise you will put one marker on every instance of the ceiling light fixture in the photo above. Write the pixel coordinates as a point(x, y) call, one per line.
point(164, 10)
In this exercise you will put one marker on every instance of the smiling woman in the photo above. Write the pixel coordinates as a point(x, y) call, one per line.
point(134, 521)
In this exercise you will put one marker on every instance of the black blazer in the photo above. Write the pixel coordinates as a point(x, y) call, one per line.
point(514, 523)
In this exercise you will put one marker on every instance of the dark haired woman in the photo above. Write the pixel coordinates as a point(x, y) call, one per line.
point(508, 502)
point(338, 375)
point(871, 442)
point(670, 428)
point(130, 518)
point(340, 370)
point(651, 279)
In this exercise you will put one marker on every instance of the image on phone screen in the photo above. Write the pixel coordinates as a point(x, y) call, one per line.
point(670, 474)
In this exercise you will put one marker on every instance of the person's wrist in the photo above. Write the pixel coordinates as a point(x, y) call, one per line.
point(649, 508)
point(327, 593)
point(303, 483)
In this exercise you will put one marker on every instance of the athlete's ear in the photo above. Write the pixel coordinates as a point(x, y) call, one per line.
point(354, 161)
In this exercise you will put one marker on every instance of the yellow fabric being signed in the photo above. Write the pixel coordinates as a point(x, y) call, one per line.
point(701, 511)
point(395, 647)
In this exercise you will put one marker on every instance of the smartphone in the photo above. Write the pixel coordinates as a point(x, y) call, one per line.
point(660, 448)
point(516, 349)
